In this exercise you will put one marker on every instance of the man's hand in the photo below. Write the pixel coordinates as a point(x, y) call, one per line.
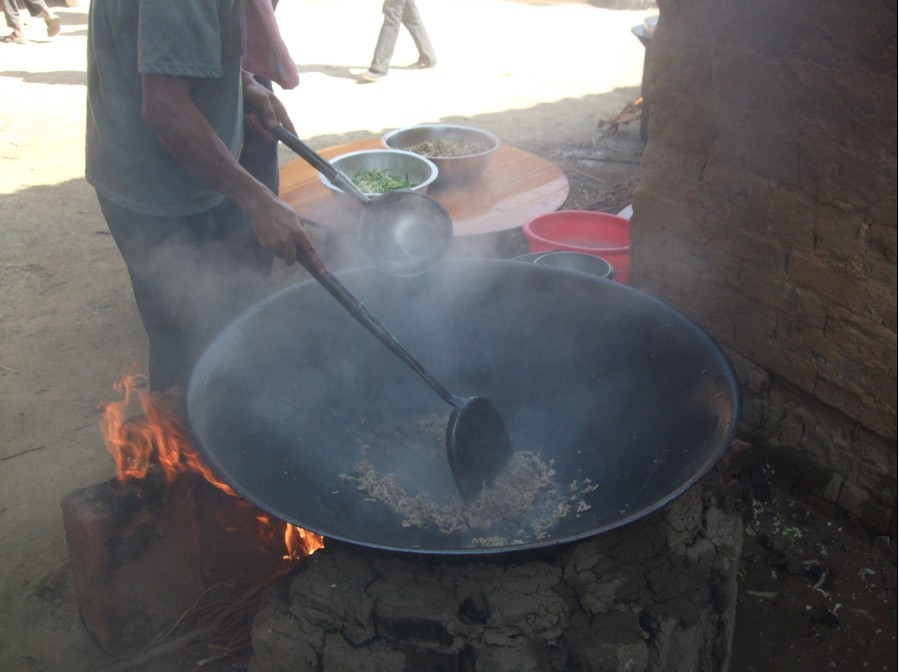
point(263, 109)
point(169, 111)
point(278, 228)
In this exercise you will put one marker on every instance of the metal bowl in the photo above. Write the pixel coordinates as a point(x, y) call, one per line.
point(453, 169)
point(577, 261)
point(529, 258)
point(418, 170)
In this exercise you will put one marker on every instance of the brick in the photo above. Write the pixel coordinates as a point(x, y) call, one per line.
point(755, 337)
point(755, 379)
point(135, 559)
point(666, 268)
point(667, 217)
point(144, 553)
point(868, 471)
point(881, 385)
point(754, 415)
point(761, 251)
point(839, 233)
point(876, 417)
point(881, 242)
point(793, 219)
point(778, 156)
point(767, 289)
point(798, 472)
point(838, 282)
point(821, 429)
point(722, 269)
point(879, 262)
point(873, 515)
point(872, 343)
point(795, 335)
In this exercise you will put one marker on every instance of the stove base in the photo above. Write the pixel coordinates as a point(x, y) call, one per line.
point(659, 594)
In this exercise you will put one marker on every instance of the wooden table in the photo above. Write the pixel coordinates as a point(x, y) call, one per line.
point(515, 187)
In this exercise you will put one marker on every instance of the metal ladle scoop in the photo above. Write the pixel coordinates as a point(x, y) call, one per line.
point(402, 232)
point(477, 442)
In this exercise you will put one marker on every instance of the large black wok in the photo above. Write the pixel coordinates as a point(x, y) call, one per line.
point(605, 382)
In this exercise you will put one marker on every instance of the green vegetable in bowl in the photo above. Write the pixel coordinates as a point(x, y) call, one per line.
point(379, 181)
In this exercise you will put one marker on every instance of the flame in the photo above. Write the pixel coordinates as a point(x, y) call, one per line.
point(300, 542)
point(158, 437)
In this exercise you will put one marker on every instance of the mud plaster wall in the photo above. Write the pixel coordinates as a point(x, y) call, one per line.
point(767, 213)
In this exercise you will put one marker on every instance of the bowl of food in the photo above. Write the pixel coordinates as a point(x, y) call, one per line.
point(461, 153)
point(378, 171)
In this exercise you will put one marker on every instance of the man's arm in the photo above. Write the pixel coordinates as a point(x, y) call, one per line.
point(169, 111)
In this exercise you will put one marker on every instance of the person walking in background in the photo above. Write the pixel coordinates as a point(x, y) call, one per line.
point(397, 12)
point(14, 19)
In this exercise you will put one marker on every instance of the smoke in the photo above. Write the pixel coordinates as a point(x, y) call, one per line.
point(189, 286)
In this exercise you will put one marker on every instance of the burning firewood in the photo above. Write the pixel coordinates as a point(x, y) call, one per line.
point(167, 544)
point(157, 436)
point(631, 112)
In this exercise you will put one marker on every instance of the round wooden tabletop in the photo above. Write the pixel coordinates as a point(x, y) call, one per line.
point(515, 187)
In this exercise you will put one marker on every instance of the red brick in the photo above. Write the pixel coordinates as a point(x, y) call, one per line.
point(141, 555)
point(135, 559)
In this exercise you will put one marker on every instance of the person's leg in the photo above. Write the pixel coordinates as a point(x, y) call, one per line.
point(155, 278)
point(390, 30)
point(34, 7)
point(416, 27)
point(14, 21)
point(190, 277)
point(40, 8)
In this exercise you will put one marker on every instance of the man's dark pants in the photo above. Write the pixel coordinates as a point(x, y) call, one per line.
point(192, 275)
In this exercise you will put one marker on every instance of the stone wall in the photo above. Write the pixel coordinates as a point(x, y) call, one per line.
point(767, 213)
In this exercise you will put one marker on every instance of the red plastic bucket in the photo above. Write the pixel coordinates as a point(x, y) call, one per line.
point(597, 233)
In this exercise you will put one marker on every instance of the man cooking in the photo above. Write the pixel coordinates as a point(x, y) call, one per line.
point(167, 95)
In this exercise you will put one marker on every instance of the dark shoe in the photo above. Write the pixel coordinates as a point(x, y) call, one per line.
point(52, 26)
point(422, 64)
point(372, 76)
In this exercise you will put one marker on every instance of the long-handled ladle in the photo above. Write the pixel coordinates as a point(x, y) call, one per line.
point(477, 441)
point(403, 232)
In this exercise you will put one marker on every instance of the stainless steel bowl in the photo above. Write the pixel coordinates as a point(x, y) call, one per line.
point(529, 258)
point(577, 261)
point(453, 169)
point(418, 170)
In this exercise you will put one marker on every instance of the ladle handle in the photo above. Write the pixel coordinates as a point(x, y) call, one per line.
point(315, 160)
point(366, 318)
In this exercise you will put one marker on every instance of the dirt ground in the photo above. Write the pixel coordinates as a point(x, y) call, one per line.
point(813, 594)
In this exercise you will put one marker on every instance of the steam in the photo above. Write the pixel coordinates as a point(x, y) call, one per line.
point(203, 286)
